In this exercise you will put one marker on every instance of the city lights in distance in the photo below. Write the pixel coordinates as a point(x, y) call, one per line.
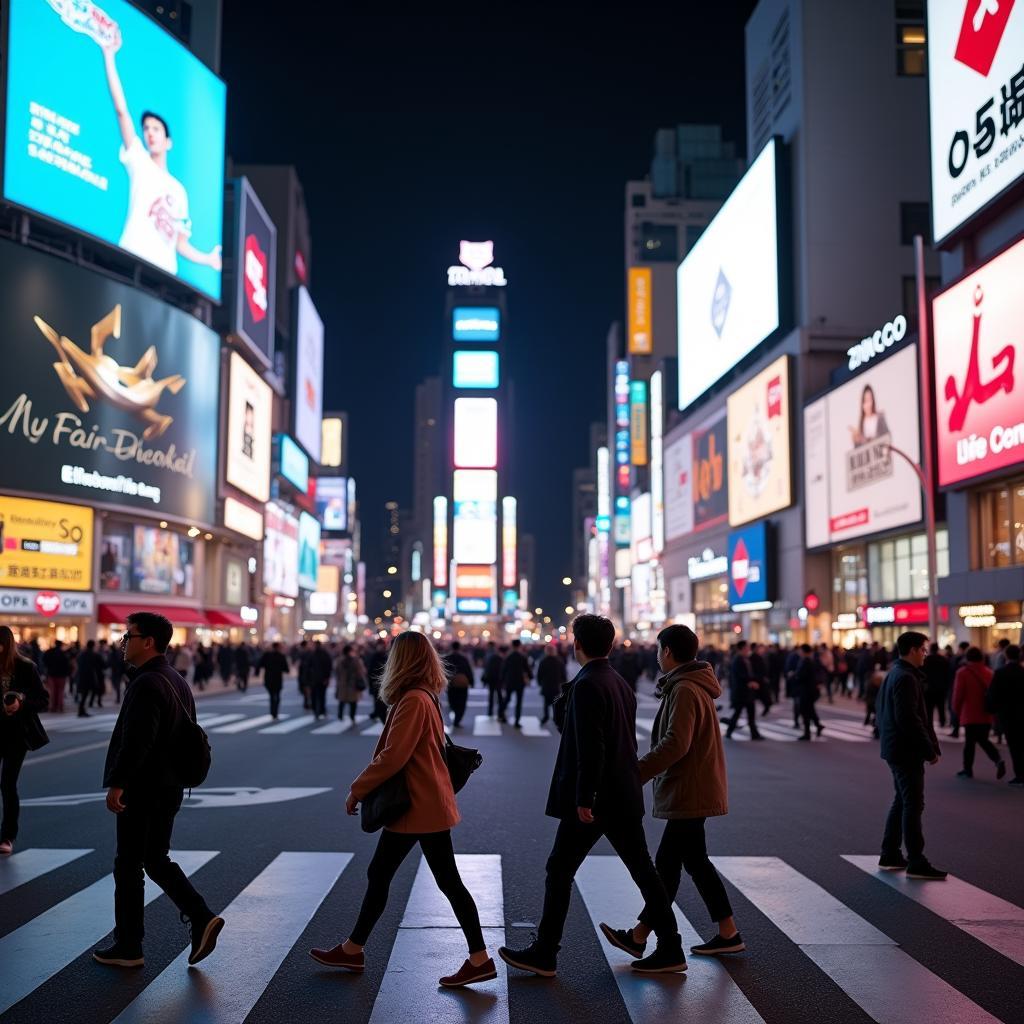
point(475, 369)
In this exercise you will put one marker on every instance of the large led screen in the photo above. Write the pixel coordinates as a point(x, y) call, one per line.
point(758, 416)
point(115, 129)
point(975, 86)
point(45, 545)
point(281, 551)
point(332, 502)
point(474, 589)
point(475, 516)
point(476, 323)
point(678, 468)
point(247, 459)
point(728, 285)
point(979, 370)
point(255, 265)
point(476, 433)
point(853, 484)
point(473, 369)
point(309, 550)
point(308, 381)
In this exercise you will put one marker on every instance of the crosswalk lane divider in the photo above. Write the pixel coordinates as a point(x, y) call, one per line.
point(209, 721)
point(246, 724)
point(709, 992)
point(532, 727)
point(884, 981)
point(486, 725)
point(30, 864)
point(263, 923)
point(280, 728)
point(40, 948)
point(338, 726)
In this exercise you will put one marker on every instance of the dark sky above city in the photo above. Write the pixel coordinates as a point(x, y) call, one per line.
point(411, 132)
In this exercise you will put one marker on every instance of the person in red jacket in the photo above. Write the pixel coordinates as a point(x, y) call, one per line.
point(969, 688)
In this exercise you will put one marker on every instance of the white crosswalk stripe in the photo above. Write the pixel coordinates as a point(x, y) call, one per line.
point(267, 918)
point(35, 952)
point(864, 962)
point(338, 726)
point(30, 864)
point(709, 993)
point(486, 725)
point(532, 727)
point(994, 921)
point(293, 726)
point(248, 723)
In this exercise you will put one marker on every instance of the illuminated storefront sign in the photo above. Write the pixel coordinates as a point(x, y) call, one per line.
point(475, 369)
point(475, 517)
point(708, 564)
point(623, 471)
point(292, 463)
point(876, 344)
point(476, 323)
point(509, 572)
point(45, 544)
point(48, 603)
point(906, 613)
point(247, 459)
point(441, 541)
point(657, 462)
point(749, 557)
point(476, 433)
point(476, 259)
point(641, 338)
point(243, 519)
point(332, 438)
point(638, 422)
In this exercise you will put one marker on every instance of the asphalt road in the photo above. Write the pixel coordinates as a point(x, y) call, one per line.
point(272, 848)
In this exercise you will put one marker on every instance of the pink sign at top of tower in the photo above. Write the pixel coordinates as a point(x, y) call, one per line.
point(979, 370)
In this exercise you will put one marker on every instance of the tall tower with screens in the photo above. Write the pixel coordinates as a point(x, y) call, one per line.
point(476, 578)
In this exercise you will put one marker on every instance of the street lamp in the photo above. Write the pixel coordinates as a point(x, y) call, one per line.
point(566, 581)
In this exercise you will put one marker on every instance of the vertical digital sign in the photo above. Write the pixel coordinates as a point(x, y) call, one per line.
point(476, 433)
point(638, 422)
point(509, 570)
point(440, 541)
point(657, 460)
point(641, 338)
point(623, 477)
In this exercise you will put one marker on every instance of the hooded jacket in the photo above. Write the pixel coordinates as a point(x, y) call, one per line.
point(687, 758)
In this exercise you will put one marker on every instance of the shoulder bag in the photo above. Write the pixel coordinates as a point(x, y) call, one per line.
point(388, 801)
point(192, 756)
point(460, 761)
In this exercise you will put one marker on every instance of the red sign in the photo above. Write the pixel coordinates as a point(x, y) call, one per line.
point(811, 601)
point(47, 603)
point(979, 370)
point(740, 567)
point(905, 613)
point(256, 278)
point(981, 32)
point(774, 397)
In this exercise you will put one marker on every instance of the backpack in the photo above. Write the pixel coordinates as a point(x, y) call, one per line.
point(192, 756)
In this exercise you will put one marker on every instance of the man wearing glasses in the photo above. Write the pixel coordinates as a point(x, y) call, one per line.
point(145, 794)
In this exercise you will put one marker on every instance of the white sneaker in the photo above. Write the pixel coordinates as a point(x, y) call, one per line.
point(6, 847)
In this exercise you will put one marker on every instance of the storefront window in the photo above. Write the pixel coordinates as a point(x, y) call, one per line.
point(999, 525)
point(849, 579)
point(147, 560)
point(711, 596)
point(898, 569)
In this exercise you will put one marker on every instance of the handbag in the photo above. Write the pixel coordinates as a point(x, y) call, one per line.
point(461, 762)
point(386, 803)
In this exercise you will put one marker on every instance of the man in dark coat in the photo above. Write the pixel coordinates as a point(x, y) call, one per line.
point(274, 666)
point(145, 792)
point(938, 678)
point(907, 742)
point(807, 690)
point(491, 678)
point(515, 674)
point(88, 677)
point(243, 666)
point(1006, 699)
point(57, 666)
point(627, 664)
point(595, 791)
point(743, 690)
point(320, 666)
point(460, 679)
point(225, 662)
point(375, 663)
point(550, 677)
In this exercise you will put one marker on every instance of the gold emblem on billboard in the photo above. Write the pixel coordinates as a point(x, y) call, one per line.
point(94, 374)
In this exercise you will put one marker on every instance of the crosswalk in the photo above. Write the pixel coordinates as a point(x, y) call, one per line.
point(274, 910)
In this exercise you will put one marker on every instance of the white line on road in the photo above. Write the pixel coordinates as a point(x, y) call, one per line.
point(374, 730)
point(293, 726)
point(246, 724)
point(532, 727)
point(57, 754)
point(30, 864)
point(338, 726)
point(486, 725)
point(209, 721)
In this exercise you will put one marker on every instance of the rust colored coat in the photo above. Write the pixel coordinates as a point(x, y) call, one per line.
point(412, 739)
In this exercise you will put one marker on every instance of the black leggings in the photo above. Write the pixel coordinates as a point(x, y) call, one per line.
point(978, 735)
point(11, 755)
point(392, 848)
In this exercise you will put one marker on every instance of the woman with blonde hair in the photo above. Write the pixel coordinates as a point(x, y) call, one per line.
point(413, 742)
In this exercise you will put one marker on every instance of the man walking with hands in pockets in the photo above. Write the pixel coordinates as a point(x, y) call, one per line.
point(595, 791)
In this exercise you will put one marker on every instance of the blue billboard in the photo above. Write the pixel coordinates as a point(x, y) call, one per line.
point(749, 555)
point(116, 129)
point(292, 462)
point(476, 323)
point(475, 369)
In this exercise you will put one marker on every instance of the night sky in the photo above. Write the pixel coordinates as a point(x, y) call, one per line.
point(411, 132)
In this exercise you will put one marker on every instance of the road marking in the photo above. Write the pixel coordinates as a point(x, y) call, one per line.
point(338, 726)
point(374, 730)
point(76, 724)
point(30, 864)
point(430, 943)
point(486, 725)
point(646, 723)
point(57, 754)
point(884, 981)
point(262, 924)
point(844, 735)
point(774, 731)
point(248, 723)
point(40, 948)
point(990, 919)
point(293, 726)
point(706, 992)
point(209, 721)
point(532, 727)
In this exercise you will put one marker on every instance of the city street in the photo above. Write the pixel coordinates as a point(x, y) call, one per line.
point(268, 843)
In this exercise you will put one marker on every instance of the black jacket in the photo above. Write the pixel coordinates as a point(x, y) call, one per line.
point(515, 673)
point(492, 670)
point(740, 680)
point(152, 713)
point(550, 675)
point(57, 663)
point(938, 675)
point(24, 725)
point(1006, 693)
point(596, 765)
point(904, 725)
point(805, 685)
point(320, 666)
point(274, 666)
point(458, 665)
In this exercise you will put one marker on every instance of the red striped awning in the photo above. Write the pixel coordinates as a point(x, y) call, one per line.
point(221, 617)
point(178, 614)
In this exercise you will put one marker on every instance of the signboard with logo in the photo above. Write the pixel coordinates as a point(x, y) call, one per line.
point(904, 613)
point(728, 284)
point(144, 172)
point(48, 603)
point(641, 334)
point(474, 589)
point(476, 323)
point(281, 551)
point(109, 396)
point(979, 370)
point(750, 571)
point(45, 544)
point(759, 445)
point(309, 550)
point(710, 475)
point(679, 487)
point(476, 270)
point(253, 271)
point(853, 484)
point(976, 104)
point(247, 458)
point(307, 392)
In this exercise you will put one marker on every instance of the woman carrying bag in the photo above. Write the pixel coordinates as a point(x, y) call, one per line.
point(413, 745)
point(24, 696)
point(350, 673)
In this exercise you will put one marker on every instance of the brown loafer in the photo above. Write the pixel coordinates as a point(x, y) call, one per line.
point(337, 957)
point(467, 974)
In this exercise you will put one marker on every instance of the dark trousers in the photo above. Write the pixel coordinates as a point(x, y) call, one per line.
point(548, 701)
point(750, 706)
point(351, 705)
point(392, 849)
point(1015, 741)
point(457, 697)
point(506, 699)
point(143, 843)
point(977, 735)
point(494, 696)
point(319, 694)
point(573, 841)
point(809, 713)
point(275, 701)
point(683, 847)
point(12, 755)
point(936, 702)
point(903, 825)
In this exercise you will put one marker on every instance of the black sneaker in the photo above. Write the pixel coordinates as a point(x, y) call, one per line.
point(204, 937)
point(965, 774)
point(119, 955)
point(926, 873)
point(533, 959)
point(895, 863)
point(622, 938)
point(664, 960)
point(719, 945)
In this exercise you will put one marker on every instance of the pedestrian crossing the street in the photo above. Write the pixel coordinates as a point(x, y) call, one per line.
point(272, 912)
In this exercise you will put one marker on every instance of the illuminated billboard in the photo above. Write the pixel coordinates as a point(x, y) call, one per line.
point(728, 284)
point(253, 271)
point(281, 551)
point(247, 459)
point(853, 484)
point(641, 333)
point(678, 477)
point(476, 433)
point(509, 570)
point(440, 541)
point(474, 589)
point(45, 545)
point(243, 519)
point(475, 516)
point(307, 391)
point(759, 448)
point(332, 442)
point(979, 370)
point(332, 502)
point(475, 369)
point(638, 422)
point(116, 129)
point(292, 463)
point(309, 550)
point(975, 88)
point(476, 323)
